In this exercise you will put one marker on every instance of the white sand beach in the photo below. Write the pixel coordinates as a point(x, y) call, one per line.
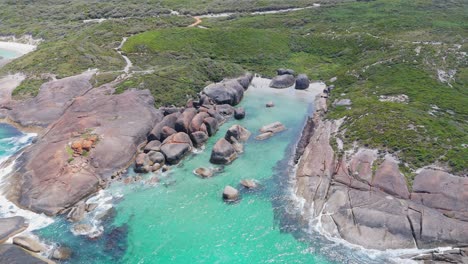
point(17, 47)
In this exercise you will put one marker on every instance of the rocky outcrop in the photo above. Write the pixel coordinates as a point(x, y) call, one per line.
point(363, 197)
point(54, 98)
point(48, 178)
point(282, 81)
point(91, 136)
point(11, 226)
point(12, 254)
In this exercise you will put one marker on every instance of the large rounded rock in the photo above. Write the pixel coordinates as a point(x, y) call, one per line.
point(175, 152)
point(168, 121)
point(198, 138)
point(154, 145)
point(62, 253)
point(239, 113)
point(197, 121)
point(282, 81)
point(226, 92)
point(166, 132)
point(302, 82)
point(245, 80)
point(211, 125)
point(230, 194)
point(237, 133)
point(223, 152)
point(11, 226)
point(183, 121)
point(156, 157)
point(176, 147)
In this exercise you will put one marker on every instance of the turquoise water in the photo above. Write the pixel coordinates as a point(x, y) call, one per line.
point(11, 140)
point(183, 219)
point(8, 54)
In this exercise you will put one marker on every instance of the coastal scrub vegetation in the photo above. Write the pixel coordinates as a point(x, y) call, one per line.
point(375, 48)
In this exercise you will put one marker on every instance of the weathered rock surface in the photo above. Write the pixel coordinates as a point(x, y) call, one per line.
point(442, 191)
point(12, 254)
point(226, 92)
point(230, 194)
point(176, 147)
point(11, 226)
point(237, 133)
point(223, 152)
point(168, 121)
point(375, 209)
point(282, 81)
point(154, 145)
point(183, 121)
point(28, 243)
point(62, 253)
point(52, 101)
point(47, 179)
point(199, 138)
point(302, 82)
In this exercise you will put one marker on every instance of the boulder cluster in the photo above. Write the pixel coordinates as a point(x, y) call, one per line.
point(183, 129)
point(286, 78)
point(226, 149)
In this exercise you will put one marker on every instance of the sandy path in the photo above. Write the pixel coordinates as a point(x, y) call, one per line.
point(197, 22)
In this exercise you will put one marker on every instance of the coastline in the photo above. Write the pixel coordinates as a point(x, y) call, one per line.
point(18, 48)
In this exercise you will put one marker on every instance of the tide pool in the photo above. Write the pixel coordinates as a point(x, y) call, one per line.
point(183, 219)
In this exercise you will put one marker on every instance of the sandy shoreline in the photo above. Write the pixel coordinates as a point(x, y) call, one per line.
point(18, 48)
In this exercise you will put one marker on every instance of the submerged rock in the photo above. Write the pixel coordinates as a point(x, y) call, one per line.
point(302, 82)
point(282, 81)
point(203, 172)
point(264, 136)
point(223, 152)
point(11, 226)
point(230, 194)
point(273, 128)
point(248, 183)
point(62, 253)
point(270, 104)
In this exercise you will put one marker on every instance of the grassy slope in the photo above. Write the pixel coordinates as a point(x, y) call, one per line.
point(368, 45)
